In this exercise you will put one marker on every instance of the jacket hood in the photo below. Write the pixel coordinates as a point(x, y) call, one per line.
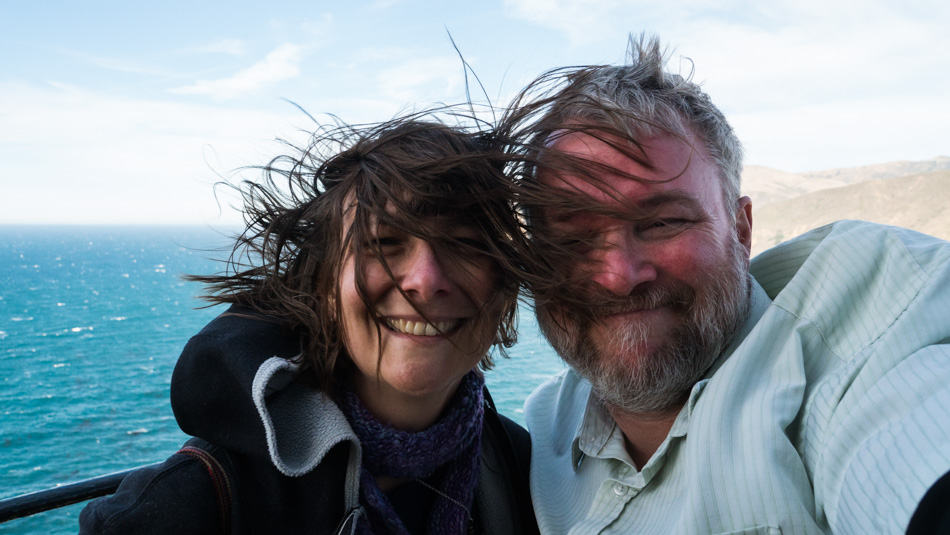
point(212, 385)
point(301, 424)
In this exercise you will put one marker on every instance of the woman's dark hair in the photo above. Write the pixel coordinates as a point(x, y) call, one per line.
point(287, 261)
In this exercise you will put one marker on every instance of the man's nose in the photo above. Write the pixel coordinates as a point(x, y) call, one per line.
point(423, 274)
point(622, 265)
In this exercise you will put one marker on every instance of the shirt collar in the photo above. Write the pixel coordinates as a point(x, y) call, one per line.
point(598, 436)
point(592, 432)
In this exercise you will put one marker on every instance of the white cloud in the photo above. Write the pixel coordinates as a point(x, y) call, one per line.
point(231, 47)
point(382, 5)
point(281, 64)
point(583, 21)
point(808, 84)
point(860, 131)
point(320, 31)
point(110, 159)
point(119, 65)
point(809, 75)
point(682, 21)
point(422, 80)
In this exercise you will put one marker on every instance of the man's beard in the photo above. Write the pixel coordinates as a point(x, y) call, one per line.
point(659, 381)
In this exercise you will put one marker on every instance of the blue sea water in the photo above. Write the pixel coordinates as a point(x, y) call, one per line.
point(92, 320)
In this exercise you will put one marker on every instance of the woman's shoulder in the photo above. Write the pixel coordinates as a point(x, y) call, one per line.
point(176, 496)
point(512, 435)
point(518, 438)
point(230, 349)
point(244, 329)
point(213, 378)
point(503, 498)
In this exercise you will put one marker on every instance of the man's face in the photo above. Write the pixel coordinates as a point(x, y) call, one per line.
point(667, 272)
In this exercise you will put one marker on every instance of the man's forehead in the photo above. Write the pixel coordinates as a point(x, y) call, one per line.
point(600, 177)
point(660, 171)
point(592, 144)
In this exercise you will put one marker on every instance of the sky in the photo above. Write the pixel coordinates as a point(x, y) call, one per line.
point(130, 112)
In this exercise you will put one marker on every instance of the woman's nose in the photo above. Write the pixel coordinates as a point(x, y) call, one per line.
point(423, 273)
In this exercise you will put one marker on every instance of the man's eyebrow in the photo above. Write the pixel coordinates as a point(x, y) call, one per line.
point(660, 200)
point(647, 206)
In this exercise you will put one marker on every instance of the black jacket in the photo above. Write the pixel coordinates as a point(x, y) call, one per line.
point(211, 397)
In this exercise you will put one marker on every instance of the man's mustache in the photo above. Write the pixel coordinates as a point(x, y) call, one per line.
point(677, 296)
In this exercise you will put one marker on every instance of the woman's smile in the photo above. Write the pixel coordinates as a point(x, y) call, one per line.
point(423, 328)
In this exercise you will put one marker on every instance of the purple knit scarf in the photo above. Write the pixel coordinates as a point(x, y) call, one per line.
point(451, 445)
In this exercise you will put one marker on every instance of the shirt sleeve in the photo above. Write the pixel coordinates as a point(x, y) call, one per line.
point(902, 446)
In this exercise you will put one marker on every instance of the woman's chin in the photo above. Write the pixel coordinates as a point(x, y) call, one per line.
point(423, 386)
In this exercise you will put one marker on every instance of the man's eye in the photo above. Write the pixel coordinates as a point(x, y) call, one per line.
point(662, 228)
point(578, 246)
point(580, 242)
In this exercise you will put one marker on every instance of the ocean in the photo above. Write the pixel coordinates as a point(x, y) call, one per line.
point(92, 320)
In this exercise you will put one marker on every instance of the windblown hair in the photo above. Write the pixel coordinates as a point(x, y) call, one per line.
point(623, 106)
point(628, 102)
point(287, 262)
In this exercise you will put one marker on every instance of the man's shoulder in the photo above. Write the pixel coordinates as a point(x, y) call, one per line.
point(846, 267)
point(565, 383)
point(845, 249)
point(855, 284)
point(558, 403)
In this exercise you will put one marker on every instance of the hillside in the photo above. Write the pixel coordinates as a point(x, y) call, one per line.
point(920, 202)
point(766, 186)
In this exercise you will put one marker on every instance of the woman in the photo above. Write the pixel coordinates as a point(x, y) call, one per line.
point(341, 393)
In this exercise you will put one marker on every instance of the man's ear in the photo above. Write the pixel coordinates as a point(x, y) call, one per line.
point(744, 223)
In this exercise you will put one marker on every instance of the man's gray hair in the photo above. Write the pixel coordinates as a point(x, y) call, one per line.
point(637, 100)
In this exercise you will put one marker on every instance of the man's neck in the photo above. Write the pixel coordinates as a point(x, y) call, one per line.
point(644, 431)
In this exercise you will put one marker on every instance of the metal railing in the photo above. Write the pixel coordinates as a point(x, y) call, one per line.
point(62, 495)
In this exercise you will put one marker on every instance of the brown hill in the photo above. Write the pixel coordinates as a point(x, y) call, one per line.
point(765, 185)
point(920, 202)
point(852, 175)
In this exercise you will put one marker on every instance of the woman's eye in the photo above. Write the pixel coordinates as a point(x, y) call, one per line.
point(475, 243)
point(383, 243)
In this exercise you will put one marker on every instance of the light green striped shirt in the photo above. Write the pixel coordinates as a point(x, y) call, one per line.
point(830, 412)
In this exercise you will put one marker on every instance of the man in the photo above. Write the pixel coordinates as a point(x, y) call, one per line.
point(806, 392)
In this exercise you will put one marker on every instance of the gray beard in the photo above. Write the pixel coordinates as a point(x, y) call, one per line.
point(660, 381)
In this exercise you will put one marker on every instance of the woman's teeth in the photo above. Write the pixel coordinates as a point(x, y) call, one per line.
point(421, 328)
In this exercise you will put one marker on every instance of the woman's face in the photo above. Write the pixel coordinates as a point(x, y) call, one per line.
point(421, 358)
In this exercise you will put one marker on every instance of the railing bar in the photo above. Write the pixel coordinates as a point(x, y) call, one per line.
point(63, 495)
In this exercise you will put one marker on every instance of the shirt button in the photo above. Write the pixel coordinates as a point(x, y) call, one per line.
point(620, 490)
